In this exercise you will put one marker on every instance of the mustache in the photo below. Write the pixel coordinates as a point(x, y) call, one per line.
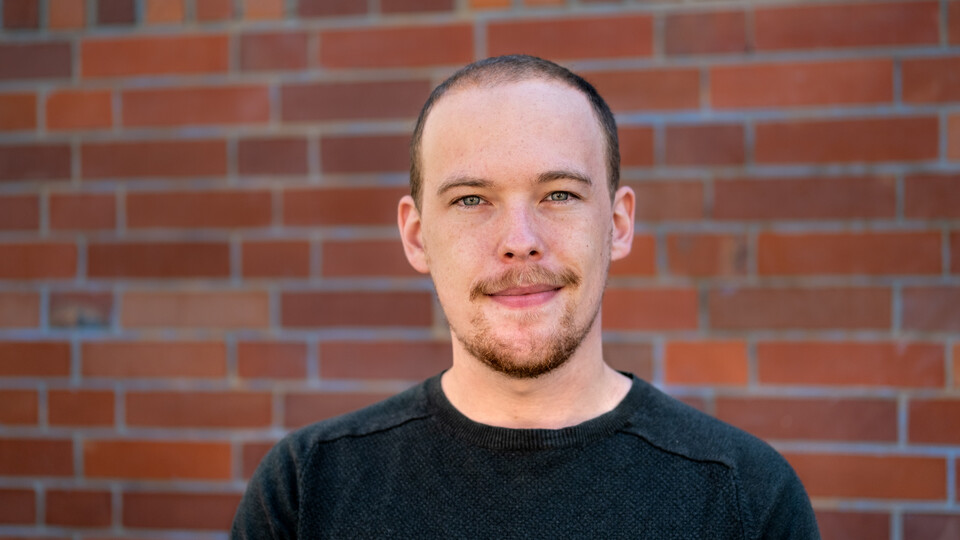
point(522, 277)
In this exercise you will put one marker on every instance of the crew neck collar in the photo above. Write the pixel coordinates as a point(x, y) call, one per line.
point(500, 438)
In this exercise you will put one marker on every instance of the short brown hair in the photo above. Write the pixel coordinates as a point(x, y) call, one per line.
point(514, 68)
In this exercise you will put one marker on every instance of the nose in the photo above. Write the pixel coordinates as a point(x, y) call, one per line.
point(520, 239)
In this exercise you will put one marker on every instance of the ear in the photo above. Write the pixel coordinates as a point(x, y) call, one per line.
point(623, 205)
point(408, 219)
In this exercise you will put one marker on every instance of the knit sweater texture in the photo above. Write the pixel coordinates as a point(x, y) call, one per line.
point(414, 467)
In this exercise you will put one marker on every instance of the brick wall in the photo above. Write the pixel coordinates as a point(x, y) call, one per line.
point(198, 250)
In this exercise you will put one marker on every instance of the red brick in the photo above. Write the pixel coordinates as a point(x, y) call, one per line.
point(853, 525)
point(276, 258)
point(18, 111)
point(642, 260)
point(670, 200)
point(272, 156)
point(273, 51)
point(653, 89)
point(953, 137)
point(214, 10)
point(19, 212)
point(365, 258)
point(847, 140)
point(353, 100)
point(868, 253)
point(18, 506)
point(567, 39)
point(805, 198)
point(81, 309)
point(82, 211)
point(955, 252)
point(404, 360)
point(341, 206)
point(195, 511)
point(895, 364)
point(21, 14)
point(18, 407)
point(34, 359)
point(799, 84)
point(932, 197)
point(407, 46)
point(871, 477)
point(79, 109)
point(850, 25)
point(263, 9)
point(156, 460)
point(271, 360)
point(158, 260)
point(691, 254)
point(116, 12)
point(706, 33)
point(198, 409)
point(160, 55)
point(154, 359)
point(415, 6)
point(302, 409)
point(953, 22)
point(164, 11)
point(365, 154)
point(825, 419)
point(81, 407)
point(706, 363)
point(931, 80)
point(36, 457)
point(636, 146)
point(331, 8)
point(931, 309)
point(253, 453)
point(214, 309)
point(78, 508)
point(154, 159)
point(38, 261)
point(66, 14)
point(35, 60)
point(956, 365)
point(198, 209)
point(196, 106)
point(19, 309)
point(934, 421)
point(926, 526)
point(636, 358)
point(650, 309)
point(19, 162)
point(720, 144)
point(802, 308)
point(357, 308)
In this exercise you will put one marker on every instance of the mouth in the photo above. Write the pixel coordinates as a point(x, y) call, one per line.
point(526, 296)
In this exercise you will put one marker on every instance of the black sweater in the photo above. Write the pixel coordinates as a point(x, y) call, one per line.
point(414, 467)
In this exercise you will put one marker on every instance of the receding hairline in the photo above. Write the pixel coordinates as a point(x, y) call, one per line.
point(507, 70)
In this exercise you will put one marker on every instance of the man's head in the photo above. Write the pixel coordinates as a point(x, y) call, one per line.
point(501, 70)
point(516, 220)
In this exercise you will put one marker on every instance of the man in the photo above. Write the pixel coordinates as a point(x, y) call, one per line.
point(516, 213)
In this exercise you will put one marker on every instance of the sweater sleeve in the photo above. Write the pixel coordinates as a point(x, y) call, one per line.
point(781, 508)
point(270, 505)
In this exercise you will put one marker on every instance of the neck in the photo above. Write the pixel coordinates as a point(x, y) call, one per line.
point(581, 389)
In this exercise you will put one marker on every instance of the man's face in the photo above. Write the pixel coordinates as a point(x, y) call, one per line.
point(516, 224)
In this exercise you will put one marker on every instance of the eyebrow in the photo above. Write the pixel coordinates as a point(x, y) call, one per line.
point(542, 178)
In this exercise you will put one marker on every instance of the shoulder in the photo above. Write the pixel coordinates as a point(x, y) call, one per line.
point(385, 415)
point(771, 497)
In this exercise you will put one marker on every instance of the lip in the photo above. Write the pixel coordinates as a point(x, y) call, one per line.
point(525, 297)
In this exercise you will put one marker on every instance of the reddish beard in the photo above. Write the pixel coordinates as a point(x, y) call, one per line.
point(546, 355)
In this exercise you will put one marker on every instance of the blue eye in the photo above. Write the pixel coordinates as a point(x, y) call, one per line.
point(559, 196)
point(470, 200)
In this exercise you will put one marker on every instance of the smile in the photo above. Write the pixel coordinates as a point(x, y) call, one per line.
point(525, 297)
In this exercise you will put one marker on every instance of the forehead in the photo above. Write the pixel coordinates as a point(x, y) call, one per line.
point(511, 130)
